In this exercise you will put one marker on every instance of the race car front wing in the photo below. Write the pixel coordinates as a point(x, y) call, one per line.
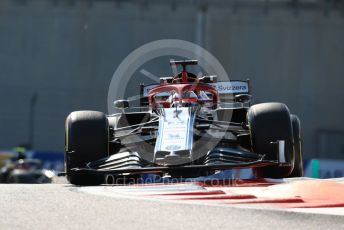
point(218, 159)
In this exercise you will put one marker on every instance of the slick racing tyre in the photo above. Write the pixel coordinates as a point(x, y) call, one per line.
point(86, 139)
point(298, 163)
point(271, 122)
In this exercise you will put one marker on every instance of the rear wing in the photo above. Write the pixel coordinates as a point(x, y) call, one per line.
point(227, 90)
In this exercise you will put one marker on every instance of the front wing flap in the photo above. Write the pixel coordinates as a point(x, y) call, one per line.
point(171, 169)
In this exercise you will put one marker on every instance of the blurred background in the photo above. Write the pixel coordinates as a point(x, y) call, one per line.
point(57, 56)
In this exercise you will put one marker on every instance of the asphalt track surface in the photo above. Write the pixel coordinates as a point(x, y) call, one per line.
point(63, 206)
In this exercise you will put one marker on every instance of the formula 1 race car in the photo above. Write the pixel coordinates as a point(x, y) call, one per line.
point(25, 171)
point(187, 126)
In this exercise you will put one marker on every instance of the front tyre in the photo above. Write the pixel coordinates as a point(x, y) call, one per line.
point(271, 122)
point(86, 139)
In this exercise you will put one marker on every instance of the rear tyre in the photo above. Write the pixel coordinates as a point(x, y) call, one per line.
point(270, 122)
point(87, 139)
point(298, 164)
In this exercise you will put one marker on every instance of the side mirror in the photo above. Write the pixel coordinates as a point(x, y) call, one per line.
point(242, 98)
point(121, 104)
point(209, 79)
